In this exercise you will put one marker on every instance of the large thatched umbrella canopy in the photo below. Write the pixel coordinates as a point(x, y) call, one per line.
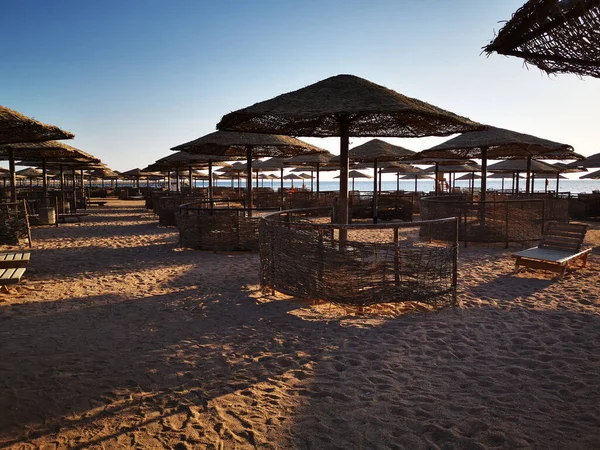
point(16, 127)
point(344, 106)
point(498, 143)
point(555, 35)
point(235, 144)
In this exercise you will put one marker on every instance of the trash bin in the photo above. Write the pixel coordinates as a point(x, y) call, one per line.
point(47, 215)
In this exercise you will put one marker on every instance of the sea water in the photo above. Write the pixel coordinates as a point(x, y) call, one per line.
point(573, 186)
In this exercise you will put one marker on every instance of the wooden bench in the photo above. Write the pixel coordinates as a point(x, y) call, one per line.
point(11, 275)
point(11, 260)
point(96, 202)
point(560, 245)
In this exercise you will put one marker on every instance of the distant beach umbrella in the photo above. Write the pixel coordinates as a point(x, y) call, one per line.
point(42, 153)
point(235, 144)
point(313, 161)
point(498, 143)
point(355, 174)
point(417, 176)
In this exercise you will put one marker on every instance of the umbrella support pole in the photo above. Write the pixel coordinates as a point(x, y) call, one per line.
point(344, 122)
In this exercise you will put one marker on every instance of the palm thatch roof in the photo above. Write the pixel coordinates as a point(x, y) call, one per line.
point(292, 176)
point(29, 172)
point(271, 164)
point(185, 159)
point(356, 174)
point(591, 161)
point(591, 176)
point(312, 159)
point(234, 144)
point(379, 150)
point(48, 150)
point(372, 110)
point(499, 143)
point(469, 176)
point(16, 127)
point(397, 167)
point(558, 36)
point(104, 173)
point(135, 173)
point(520, 165)
point(453, 168)
point(500, 175)
point(418, 176)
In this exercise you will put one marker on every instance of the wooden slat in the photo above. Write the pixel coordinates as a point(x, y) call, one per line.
point(11, 275)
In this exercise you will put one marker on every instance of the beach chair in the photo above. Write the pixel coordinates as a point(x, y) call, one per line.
point(11, 275)
point(560, 245)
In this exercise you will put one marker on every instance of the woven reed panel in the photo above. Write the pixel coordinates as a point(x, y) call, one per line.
point(311, 262)
point(221, 231)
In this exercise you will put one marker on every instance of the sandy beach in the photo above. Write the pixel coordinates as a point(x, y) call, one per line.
point(117, 338)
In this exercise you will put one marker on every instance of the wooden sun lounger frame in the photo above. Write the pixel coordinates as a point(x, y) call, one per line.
point(560, 245)
point(12, 268)
point(12, 260)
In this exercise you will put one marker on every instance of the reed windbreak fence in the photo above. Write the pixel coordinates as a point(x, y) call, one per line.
point(301, 254)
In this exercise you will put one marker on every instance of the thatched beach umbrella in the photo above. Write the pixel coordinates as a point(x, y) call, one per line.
point(591, 176)
point(588, 162)
point(45, 154)
point(400, 169)
point(235, 144)
point(555, 35)
point(374, 152)
point(16, 128)
point(42, 153)
point(314, 160)
point(292, 176)
point(344, 106)
point(273, 164)
point(498, 143)
point(30, 173)
point(352, 174)
point(190, 161)
point(417, 176)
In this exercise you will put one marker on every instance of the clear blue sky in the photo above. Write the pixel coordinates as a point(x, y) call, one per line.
point(132, 78)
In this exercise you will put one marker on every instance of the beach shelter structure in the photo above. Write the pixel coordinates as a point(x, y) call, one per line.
point(312, 161)
point(416, 177)
point(352, 174)
point(232, 144)
point(398, 168)
point(558, 36)
point(41, 153)
point(273, 164)
point(292, 176)
point(104, 174)
point(498, 143)
point(30, 173)
point(16, 128)
point(377, 151)
point(518, 166)
point(190, 161)
point(591, 176)
point(588, 162)
point(344, 106)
